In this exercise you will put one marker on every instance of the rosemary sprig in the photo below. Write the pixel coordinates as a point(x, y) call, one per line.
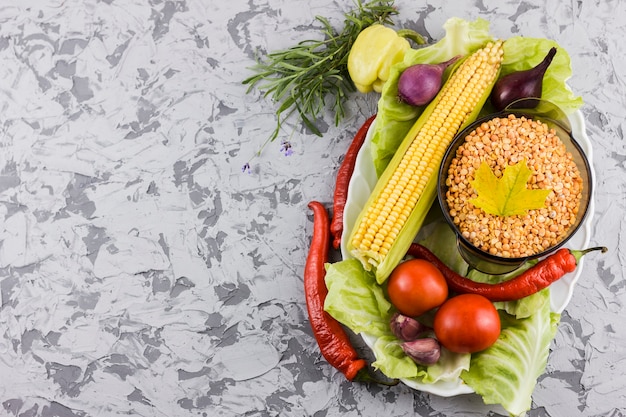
point(304, 77)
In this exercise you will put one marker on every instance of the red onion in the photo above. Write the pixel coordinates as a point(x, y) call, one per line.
point(521, 84)
point(420, 83)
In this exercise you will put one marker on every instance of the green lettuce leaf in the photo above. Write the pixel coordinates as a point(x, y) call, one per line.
point(507, 372)
point(391, 359)
point(394, 118)
point(355, 300)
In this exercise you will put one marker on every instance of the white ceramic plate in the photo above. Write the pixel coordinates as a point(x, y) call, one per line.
point(361, 185)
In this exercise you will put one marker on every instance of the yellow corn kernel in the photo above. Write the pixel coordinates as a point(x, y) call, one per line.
point(383, 219)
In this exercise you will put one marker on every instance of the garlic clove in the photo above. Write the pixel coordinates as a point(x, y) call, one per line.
point(425, 351)
point(406, 328)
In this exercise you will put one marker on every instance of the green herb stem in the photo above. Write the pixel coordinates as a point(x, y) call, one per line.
point(313, 73)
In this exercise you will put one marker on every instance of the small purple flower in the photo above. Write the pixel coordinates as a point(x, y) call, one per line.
point(285, 148)
point(246, 168)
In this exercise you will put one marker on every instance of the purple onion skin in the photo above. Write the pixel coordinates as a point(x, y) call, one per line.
point(521, 84)
point(426, 351)
point(406, 328)
point(420, 83)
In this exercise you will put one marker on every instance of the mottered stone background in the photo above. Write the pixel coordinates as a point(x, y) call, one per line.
point(143, 273)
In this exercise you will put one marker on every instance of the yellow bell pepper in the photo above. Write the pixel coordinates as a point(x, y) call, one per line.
point(374, 52)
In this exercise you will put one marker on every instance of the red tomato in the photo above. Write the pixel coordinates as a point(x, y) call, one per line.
point(416, 286)
point(467, 323)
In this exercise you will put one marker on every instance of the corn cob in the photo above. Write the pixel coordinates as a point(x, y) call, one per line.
point(407, 188)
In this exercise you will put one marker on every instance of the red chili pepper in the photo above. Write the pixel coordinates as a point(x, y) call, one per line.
point(343, 180)
point(333, 341)
point(534, 279)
